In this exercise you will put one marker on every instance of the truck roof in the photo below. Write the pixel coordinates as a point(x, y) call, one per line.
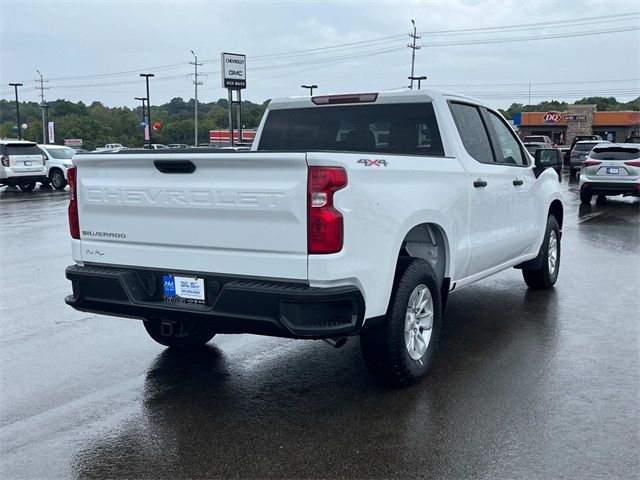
point(390, 96)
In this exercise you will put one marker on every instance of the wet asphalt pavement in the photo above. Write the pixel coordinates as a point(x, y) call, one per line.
point(526, 385)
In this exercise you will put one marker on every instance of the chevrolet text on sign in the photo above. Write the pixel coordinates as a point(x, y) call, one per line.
point(234, 74)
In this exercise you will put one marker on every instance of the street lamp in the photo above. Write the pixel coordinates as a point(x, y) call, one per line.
point(144, 99)
point(310, 87)
point(15, 86)
point(147, 75)
point(422, 77)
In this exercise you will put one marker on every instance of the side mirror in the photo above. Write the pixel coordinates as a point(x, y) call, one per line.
point(548, 158)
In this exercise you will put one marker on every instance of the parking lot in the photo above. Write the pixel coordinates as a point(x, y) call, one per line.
point(527, 384)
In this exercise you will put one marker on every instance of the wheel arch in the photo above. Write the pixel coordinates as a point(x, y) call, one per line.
point(428, 241)
point(557, 210)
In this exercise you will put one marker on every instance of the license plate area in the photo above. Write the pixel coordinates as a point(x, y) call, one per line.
point(613, 170)
point(183, 289)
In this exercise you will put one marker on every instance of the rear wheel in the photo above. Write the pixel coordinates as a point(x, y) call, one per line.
point(57, 179)
point(183, 335)
point(545, 277)
point(401, 349)
point(27, 186)
point(585, 197)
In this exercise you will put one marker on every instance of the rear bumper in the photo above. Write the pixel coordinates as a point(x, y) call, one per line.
point(232, 305)
point(17, 179)
point(611, 188)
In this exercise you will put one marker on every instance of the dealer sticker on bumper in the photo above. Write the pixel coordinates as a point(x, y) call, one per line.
point(191, 288)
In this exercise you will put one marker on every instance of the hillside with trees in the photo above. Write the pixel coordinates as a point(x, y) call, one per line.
point(98, 125)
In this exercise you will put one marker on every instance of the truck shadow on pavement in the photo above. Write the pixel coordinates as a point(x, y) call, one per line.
point(312, 411)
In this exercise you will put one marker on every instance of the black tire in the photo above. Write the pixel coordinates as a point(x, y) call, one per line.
point(601, 199)
point(57, 179)
point(184, 335)
point(572, 172)
point(545, 277)
point(585, 197)
point(383, 346)
point(27, 186)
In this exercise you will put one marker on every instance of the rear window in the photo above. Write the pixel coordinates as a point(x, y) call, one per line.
point(615, 153)
point(394, 128)
point(535, 139)
point(25, 149)
point(584, 147)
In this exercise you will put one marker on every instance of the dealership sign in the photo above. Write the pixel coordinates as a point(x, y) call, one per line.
point(575, 118)
point(73, 142)
point(551, 118)
point(234, 72)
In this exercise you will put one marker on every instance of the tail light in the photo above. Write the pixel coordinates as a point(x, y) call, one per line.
point(633, 163)
point(325, 231)
point(74, 223)
point(341, 99)
point(585, 185)
point(590, 163)
point(5, 160)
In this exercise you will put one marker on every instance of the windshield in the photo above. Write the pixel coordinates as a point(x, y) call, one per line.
point(392, 128)
point(61, 153)
point(615, 153)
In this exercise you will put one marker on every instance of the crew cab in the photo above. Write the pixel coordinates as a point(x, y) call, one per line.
point(352, 215)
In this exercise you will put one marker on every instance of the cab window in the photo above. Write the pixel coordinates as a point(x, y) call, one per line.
point(506, 141)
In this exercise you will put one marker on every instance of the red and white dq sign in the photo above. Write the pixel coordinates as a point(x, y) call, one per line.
point(551, 118)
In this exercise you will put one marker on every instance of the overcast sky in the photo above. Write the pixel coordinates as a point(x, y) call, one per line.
point(95, 40)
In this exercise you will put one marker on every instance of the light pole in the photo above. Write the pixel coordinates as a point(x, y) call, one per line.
point(15, 86)
point(146, 76)
point(143, 116)
point(310, 87)
point(412, 78)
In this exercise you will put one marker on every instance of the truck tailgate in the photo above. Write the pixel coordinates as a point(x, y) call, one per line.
point(236, 213)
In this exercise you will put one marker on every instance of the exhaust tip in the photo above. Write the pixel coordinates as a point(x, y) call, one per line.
point(336, 342)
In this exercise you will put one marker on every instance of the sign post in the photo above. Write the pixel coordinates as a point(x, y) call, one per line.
point(234, 77)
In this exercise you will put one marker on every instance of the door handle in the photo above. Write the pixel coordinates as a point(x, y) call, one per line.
point(517, 182)
point(479, 183)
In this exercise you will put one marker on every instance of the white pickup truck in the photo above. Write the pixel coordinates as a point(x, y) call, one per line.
point(352, 215)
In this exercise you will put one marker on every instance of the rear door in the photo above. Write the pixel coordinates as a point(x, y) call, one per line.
point(491, 222)
point(242, 214)
point(24, 157)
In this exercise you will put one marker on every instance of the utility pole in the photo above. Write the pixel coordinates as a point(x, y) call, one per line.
point(196, 83)
point(310, 87)
point(413, 48)
point(45, 115)
point(15, 87)
point(42, 89)
point(147, 75)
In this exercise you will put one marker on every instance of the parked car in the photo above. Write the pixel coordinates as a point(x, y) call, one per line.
point(320, 232)
point(178, 145)
point(580, 152)
point(154, 146)
point(58, 161)
point(579, 138)
point(611, 169)
point(538, 139)
point(22, 164)
point(533, 146)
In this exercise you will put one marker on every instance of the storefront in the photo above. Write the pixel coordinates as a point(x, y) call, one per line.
point(561, 127)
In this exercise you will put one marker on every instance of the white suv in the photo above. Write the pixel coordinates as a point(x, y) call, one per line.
point(58, 160)
point(22, 164)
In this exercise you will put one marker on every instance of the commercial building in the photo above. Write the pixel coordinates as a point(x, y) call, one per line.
point(561, 127)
